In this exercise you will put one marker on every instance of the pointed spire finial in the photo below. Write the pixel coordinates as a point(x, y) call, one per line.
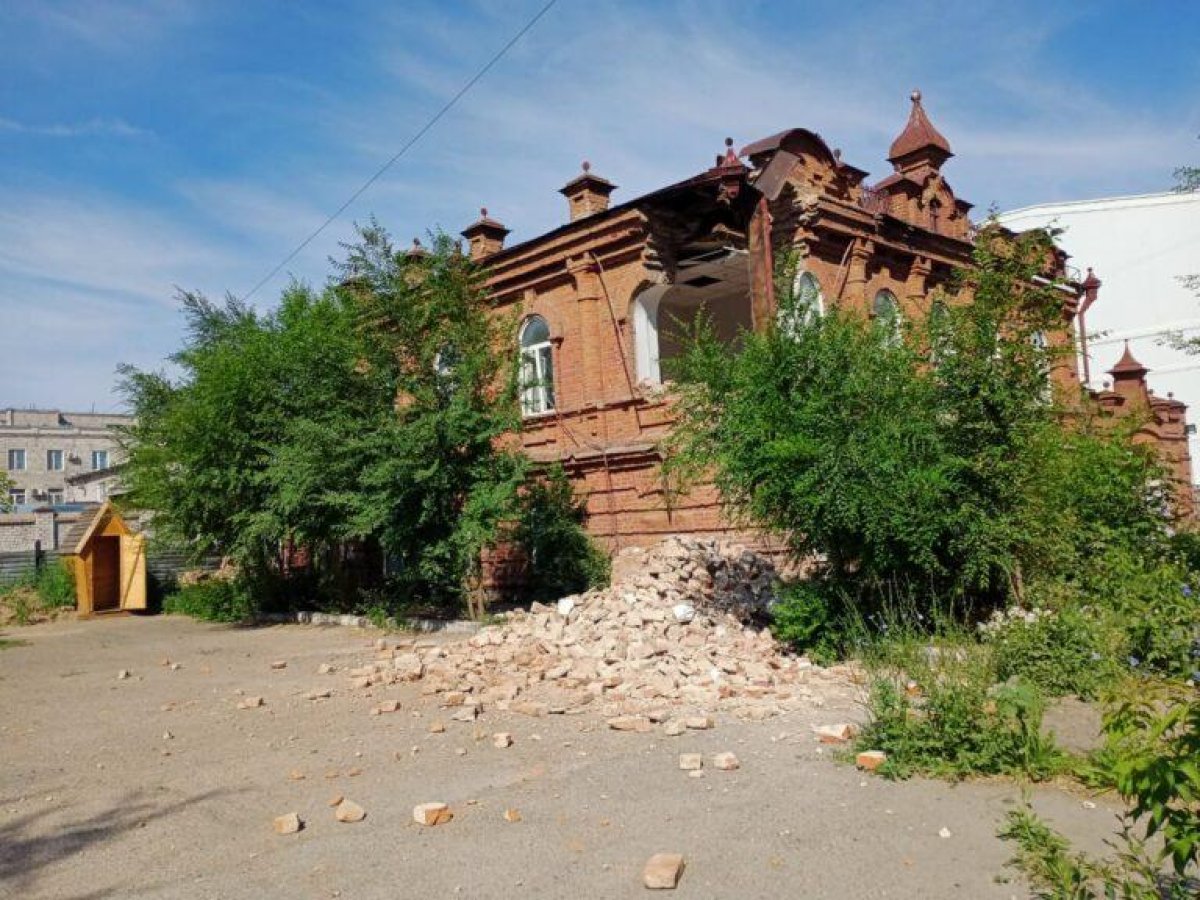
point(587, 166)
point(919, 139)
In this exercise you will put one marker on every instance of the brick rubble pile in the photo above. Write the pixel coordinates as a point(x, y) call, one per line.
point(681, 626)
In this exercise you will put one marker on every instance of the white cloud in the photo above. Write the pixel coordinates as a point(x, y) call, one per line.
point(90, 128)
point(646, 92)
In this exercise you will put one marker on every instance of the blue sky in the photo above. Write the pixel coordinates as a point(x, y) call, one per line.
point(194, 143)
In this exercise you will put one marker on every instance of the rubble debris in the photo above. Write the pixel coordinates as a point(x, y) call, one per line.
point(835, 734)
point(690, 762)
point(251, 702)
point(679, 631)
point(279, 664)
point(390, 706)
point(662, 871)
point(288, 824)
point(512, 815)
point(432, 814)
point(501, 740)
point(726, 762)
point(325, 669)
point(870, 760)
point(349, 811)
point(630, 723)
point(122, 674)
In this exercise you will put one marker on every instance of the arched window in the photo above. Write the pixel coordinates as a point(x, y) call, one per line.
point(537, 368)
point(808, 293)
point(886, 310)
point(445, 362)
point(804, 306)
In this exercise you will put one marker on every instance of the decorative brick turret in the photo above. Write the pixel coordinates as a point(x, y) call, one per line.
point(920, 148)
point(587, 193)
point(1129, 378)
point(485, 235)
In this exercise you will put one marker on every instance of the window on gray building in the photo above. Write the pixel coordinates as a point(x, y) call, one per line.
point(17, 496)
point(54, 496)
point(54, 460)
point(16, 460)
point(99, 459)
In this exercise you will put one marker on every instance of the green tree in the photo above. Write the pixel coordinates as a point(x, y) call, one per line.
point(212, 452)
point(439, 474)
point(371, 412)
point(940, 463)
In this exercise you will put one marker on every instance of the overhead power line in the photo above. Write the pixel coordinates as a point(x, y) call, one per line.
point(404, 149)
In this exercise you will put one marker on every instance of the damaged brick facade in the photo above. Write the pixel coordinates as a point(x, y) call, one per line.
point(595, 296)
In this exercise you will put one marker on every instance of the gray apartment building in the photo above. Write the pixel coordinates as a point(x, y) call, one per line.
point(54, 458)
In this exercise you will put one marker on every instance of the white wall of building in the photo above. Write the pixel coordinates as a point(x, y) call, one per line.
point(1139, 247)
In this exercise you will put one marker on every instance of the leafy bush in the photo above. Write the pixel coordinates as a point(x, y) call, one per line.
point(1153, 744)
point(941, 460)
point(805, 617)
point(1154, 737)
point(563, 559)
point(936, 709)
point(1154, 604)
point(49, 588)
point(214, 600)
point(1061, 652)
point(372, 412)
point(55, 584)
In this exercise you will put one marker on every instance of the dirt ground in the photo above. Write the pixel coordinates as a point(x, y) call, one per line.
point(158, 785)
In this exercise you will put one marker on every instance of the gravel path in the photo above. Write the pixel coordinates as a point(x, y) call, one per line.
point(158, 785)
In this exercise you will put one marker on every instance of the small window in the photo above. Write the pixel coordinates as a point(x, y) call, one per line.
point(54, 460)
point(537, 368)
point(16, 460)
point(886, 311)
point(16, 496)
point(54, 496)
point(808, 293)
point(807, 303)
point(99, 460)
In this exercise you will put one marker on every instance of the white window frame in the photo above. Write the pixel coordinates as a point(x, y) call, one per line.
point(537, 371)
point(53, 456)
point(896, 316)
point(99, 454)
point(802, 278)
point(17, 454)
point(645, 333)
point(55, 496)
point(17, 496)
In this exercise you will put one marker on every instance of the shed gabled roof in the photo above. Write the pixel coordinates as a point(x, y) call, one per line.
point(78, 534)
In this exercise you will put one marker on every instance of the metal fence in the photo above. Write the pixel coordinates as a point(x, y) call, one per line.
point(162, 569)
point(15, 566)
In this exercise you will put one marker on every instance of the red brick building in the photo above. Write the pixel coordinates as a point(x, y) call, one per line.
point(593, 293)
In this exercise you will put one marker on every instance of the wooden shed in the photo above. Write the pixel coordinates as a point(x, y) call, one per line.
point(108, 560)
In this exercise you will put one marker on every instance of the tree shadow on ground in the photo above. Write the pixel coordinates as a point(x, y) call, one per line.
point(28, 848)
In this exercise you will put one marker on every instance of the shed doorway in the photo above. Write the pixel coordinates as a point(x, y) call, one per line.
point(106, 574)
